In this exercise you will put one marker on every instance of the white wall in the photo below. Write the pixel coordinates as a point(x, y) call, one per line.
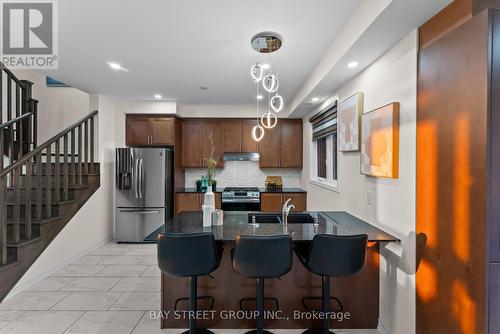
point(58, 107)
point(216, 111)
point(93, 223)
point(392, 78)
point(136, 107)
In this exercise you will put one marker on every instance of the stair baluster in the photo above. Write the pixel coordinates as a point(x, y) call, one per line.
point(57, 177)
point(65, 167)
point(73, 158)
point(39, 188)
point(79, 169)
point(48, 193)
point(27, 212)
point(15, 183)
point(86, 148)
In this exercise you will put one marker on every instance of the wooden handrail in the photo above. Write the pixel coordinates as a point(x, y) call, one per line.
point(15, 120)
point(48, 143)
point(11, 75)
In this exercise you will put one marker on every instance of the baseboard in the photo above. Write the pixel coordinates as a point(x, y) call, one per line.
point(382, 329)
point(20, 288)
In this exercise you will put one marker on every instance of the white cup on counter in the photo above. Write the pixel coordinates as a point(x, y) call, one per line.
point(217, 217)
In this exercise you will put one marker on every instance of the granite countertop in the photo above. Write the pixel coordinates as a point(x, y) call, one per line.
point(283, 190)
point(262, 190)
point(194, 190)
point(236, 223)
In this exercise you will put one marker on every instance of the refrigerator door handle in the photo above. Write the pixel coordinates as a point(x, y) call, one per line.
point(136, 177)
point(140, 211)
point(141, 177)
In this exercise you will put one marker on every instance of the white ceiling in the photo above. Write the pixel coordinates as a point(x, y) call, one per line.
point(173, 47)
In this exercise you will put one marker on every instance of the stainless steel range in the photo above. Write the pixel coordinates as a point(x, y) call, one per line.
point(241, 199)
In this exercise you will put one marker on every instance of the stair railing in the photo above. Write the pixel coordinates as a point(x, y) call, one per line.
point(18, 122)
point(77, 161)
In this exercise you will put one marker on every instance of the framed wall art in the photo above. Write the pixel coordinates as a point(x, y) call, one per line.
point(349, 125)
point(380, 142)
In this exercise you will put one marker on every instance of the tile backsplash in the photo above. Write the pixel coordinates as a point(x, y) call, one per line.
point(244, 174)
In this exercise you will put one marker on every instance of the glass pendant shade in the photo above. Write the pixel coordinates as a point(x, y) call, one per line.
point(257, 72)
point(269, 120)
point(257, 133)
point(270, 83)
point(276, 103)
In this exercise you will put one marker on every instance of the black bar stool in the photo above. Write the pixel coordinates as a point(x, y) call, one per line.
point(189, 255)
point(261, 258)
point(332, 256)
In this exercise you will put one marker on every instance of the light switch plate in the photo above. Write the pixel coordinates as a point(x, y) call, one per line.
point(369, 197)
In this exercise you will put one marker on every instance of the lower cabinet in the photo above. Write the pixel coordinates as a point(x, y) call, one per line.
point(193, 201)
point(273, 202)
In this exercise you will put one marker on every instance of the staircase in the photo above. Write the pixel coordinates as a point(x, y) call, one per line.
point(41, 186)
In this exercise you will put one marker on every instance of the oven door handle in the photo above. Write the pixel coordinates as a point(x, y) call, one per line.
point(236, 200)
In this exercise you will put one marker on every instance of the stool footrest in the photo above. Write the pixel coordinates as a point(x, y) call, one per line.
point(275, 300)
point(304, 299)
point(211, 298)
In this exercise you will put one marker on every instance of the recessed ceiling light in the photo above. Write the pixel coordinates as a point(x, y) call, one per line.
point(158, 96)
point(260, 97)
point(203, 88)
point(315, 99)
point(116, 67)
point(353, 64)
point(265, 66)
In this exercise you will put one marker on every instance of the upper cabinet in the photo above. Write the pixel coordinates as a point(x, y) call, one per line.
point(215, 129)
point(281, 146)
point(192, 144)
point(145, 130)
point(238, 136)
point(195, 142)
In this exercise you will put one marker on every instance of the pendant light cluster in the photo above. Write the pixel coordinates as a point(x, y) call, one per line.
point(266, 42)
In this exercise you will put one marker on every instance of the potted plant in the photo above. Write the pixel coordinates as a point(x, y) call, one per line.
point(211, 164)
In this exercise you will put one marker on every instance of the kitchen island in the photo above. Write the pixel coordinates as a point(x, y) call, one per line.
point(359, 294)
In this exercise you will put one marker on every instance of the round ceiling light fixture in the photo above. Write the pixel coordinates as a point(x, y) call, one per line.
point(266, 42)
point(257, 132)
point(270, 83)
point(257, 72)
point(276, 103)
point(269, 120)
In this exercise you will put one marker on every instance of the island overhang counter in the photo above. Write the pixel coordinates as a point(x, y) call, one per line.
point(359, 294)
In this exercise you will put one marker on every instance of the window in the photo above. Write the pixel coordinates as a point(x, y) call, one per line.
point(324, 147)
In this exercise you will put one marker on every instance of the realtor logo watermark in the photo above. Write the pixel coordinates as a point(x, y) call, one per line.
point(29, 34)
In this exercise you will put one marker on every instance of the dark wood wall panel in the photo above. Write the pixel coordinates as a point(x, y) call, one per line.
point(445, 21)
point(451, 180)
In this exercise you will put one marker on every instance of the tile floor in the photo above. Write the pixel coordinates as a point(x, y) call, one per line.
point(107, 291)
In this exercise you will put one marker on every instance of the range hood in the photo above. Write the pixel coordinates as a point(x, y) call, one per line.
point(254, 156)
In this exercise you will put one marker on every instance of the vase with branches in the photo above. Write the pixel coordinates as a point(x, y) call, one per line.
point(211, 162)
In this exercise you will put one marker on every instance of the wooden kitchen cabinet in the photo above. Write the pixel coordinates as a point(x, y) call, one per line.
point(162, 131)
point(187, 202)
point(137, 131)
point(191, 143)
point(149, 130)
point(248, 145)
point(238, 136)
point(216, 129)
point(232, 136)
point(269, 149)
point(193, 201)
point(273, 202)
point(281, 146)
point(290, 144)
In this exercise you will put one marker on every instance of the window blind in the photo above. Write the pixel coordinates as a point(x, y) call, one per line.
point(324, 123)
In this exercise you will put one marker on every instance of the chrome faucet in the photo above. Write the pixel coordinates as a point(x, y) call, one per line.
point(285, 211)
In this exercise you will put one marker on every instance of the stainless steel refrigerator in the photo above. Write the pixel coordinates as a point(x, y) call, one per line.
point(144, 192)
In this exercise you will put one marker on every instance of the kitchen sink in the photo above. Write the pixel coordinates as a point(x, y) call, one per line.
point(275, 218)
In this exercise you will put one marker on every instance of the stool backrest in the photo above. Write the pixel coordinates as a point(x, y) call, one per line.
point(337, 256)
point(263, 256)
point(187, 255)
